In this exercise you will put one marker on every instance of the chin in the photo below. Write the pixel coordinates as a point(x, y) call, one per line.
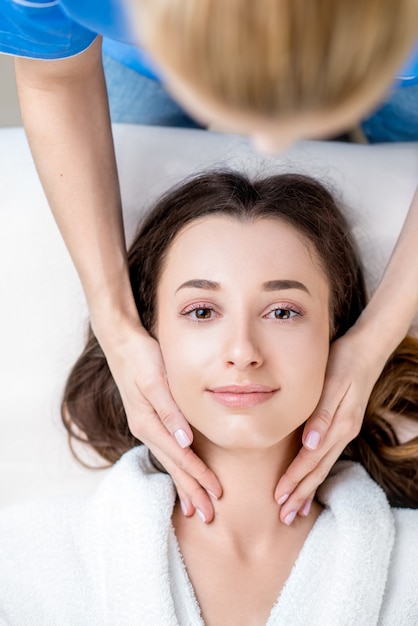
point(242, 437)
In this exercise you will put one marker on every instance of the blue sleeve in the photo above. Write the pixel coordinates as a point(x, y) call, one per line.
point(408, 74)
point(40, 29)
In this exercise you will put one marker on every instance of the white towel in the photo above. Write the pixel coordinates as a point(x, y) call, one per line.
point(113, 559)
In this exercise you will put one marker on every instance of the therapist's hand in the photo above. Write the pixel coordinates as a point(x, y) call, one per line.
point(356, 362)
point(135, 361)
point(65, 110)
point(351, 373)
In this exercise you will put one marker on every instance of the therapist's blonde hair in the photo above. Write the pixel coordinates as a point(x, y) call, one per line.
point(281, 57)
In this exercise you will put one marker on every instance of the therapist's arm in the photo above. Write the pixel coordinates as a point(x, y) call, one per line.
point(356, 362)
point(65, 112)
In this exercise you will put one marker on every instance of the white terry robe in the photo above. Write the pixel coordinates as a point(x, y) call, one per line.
point(113, 559)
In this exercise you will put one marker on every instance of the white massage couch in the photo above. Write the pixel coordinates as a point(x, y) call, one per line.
point(43, 313)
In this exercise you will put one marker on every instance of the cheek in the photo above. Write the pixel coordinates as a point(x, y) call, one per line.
point(182, 352)
point(187, 362)
point(305, 372)
point(315, 367)
point(314, 380)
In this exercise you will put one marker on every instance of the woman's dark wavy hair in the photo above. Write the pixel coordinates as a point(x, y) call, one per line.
point(92, 409)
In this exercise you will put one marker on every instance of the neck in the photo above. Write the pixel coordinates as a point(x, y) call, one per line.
point(247, 513)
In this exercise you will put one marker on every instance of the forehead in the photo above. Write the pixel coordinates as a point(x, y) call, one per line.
point(223, 246)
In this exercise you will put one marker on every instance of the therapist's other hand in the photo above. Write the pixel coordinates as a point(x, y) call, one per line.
point(136, 363)
point(351, 374)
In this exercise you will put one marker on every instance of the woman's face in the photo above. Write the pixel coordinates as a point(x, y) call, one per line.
point(243, 325)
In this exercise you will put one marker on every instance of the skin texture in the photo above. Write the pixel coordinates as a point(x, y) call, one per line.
point(239, 318)
point(221, 321)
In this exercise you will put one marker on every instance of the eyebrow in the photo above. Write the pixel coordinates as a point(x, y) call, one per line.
point(278, 285)
point(270, 285)
point(199, 283)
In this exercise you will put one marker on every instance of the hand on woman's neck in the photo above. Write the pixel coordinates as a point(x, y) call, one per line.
point(247, 511)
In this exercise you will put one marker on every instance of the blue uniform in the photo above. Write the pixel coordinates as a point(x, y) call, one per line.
point(56, 29)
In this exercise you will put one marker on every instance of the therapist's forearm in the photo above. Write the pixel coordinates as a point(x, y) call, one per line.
point(389, 314)
point(65, 113)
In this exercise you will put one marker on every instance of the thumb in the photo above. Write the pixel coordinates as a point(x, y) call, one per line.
point(162, 401)
point(317, 426)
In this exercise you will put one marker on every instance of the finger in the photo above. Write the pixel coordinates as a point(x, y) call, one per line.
point(341, 429)
point(321, 419)
point(303, 464)
point(192, 496)
point(297, 500)
point(316, 428)
point(187, 470)
point(306, 508)
point(161, 400)
point(344, 426)
point(166, 451)
point(186, 506)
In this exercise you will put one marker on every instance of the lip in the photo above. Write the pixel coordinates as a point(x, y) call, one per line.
point(250, 388)
point(242, 396)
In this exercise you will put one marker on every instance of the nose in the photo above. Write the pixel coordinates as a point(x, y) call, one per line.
point(242, 349)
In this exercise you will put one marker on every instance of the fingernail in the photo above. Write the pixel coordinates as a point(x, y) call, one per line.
point(312, 440)
point(182, 438)
point(201, 516)
point(183, 508)
point(289, 518)
point(306, 508)
point(214, 496)
point(283, 499)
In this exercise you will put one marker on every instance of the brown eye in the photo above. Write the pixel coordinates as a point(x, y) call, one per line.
point(203, 314)
point(282, 314)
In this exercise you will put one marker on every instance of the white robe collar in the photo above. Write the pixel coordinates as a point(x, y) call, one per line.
point(132, 554)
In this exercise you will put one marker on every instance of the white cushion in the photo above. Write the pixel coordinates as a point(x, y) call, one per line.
point(43, 313)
